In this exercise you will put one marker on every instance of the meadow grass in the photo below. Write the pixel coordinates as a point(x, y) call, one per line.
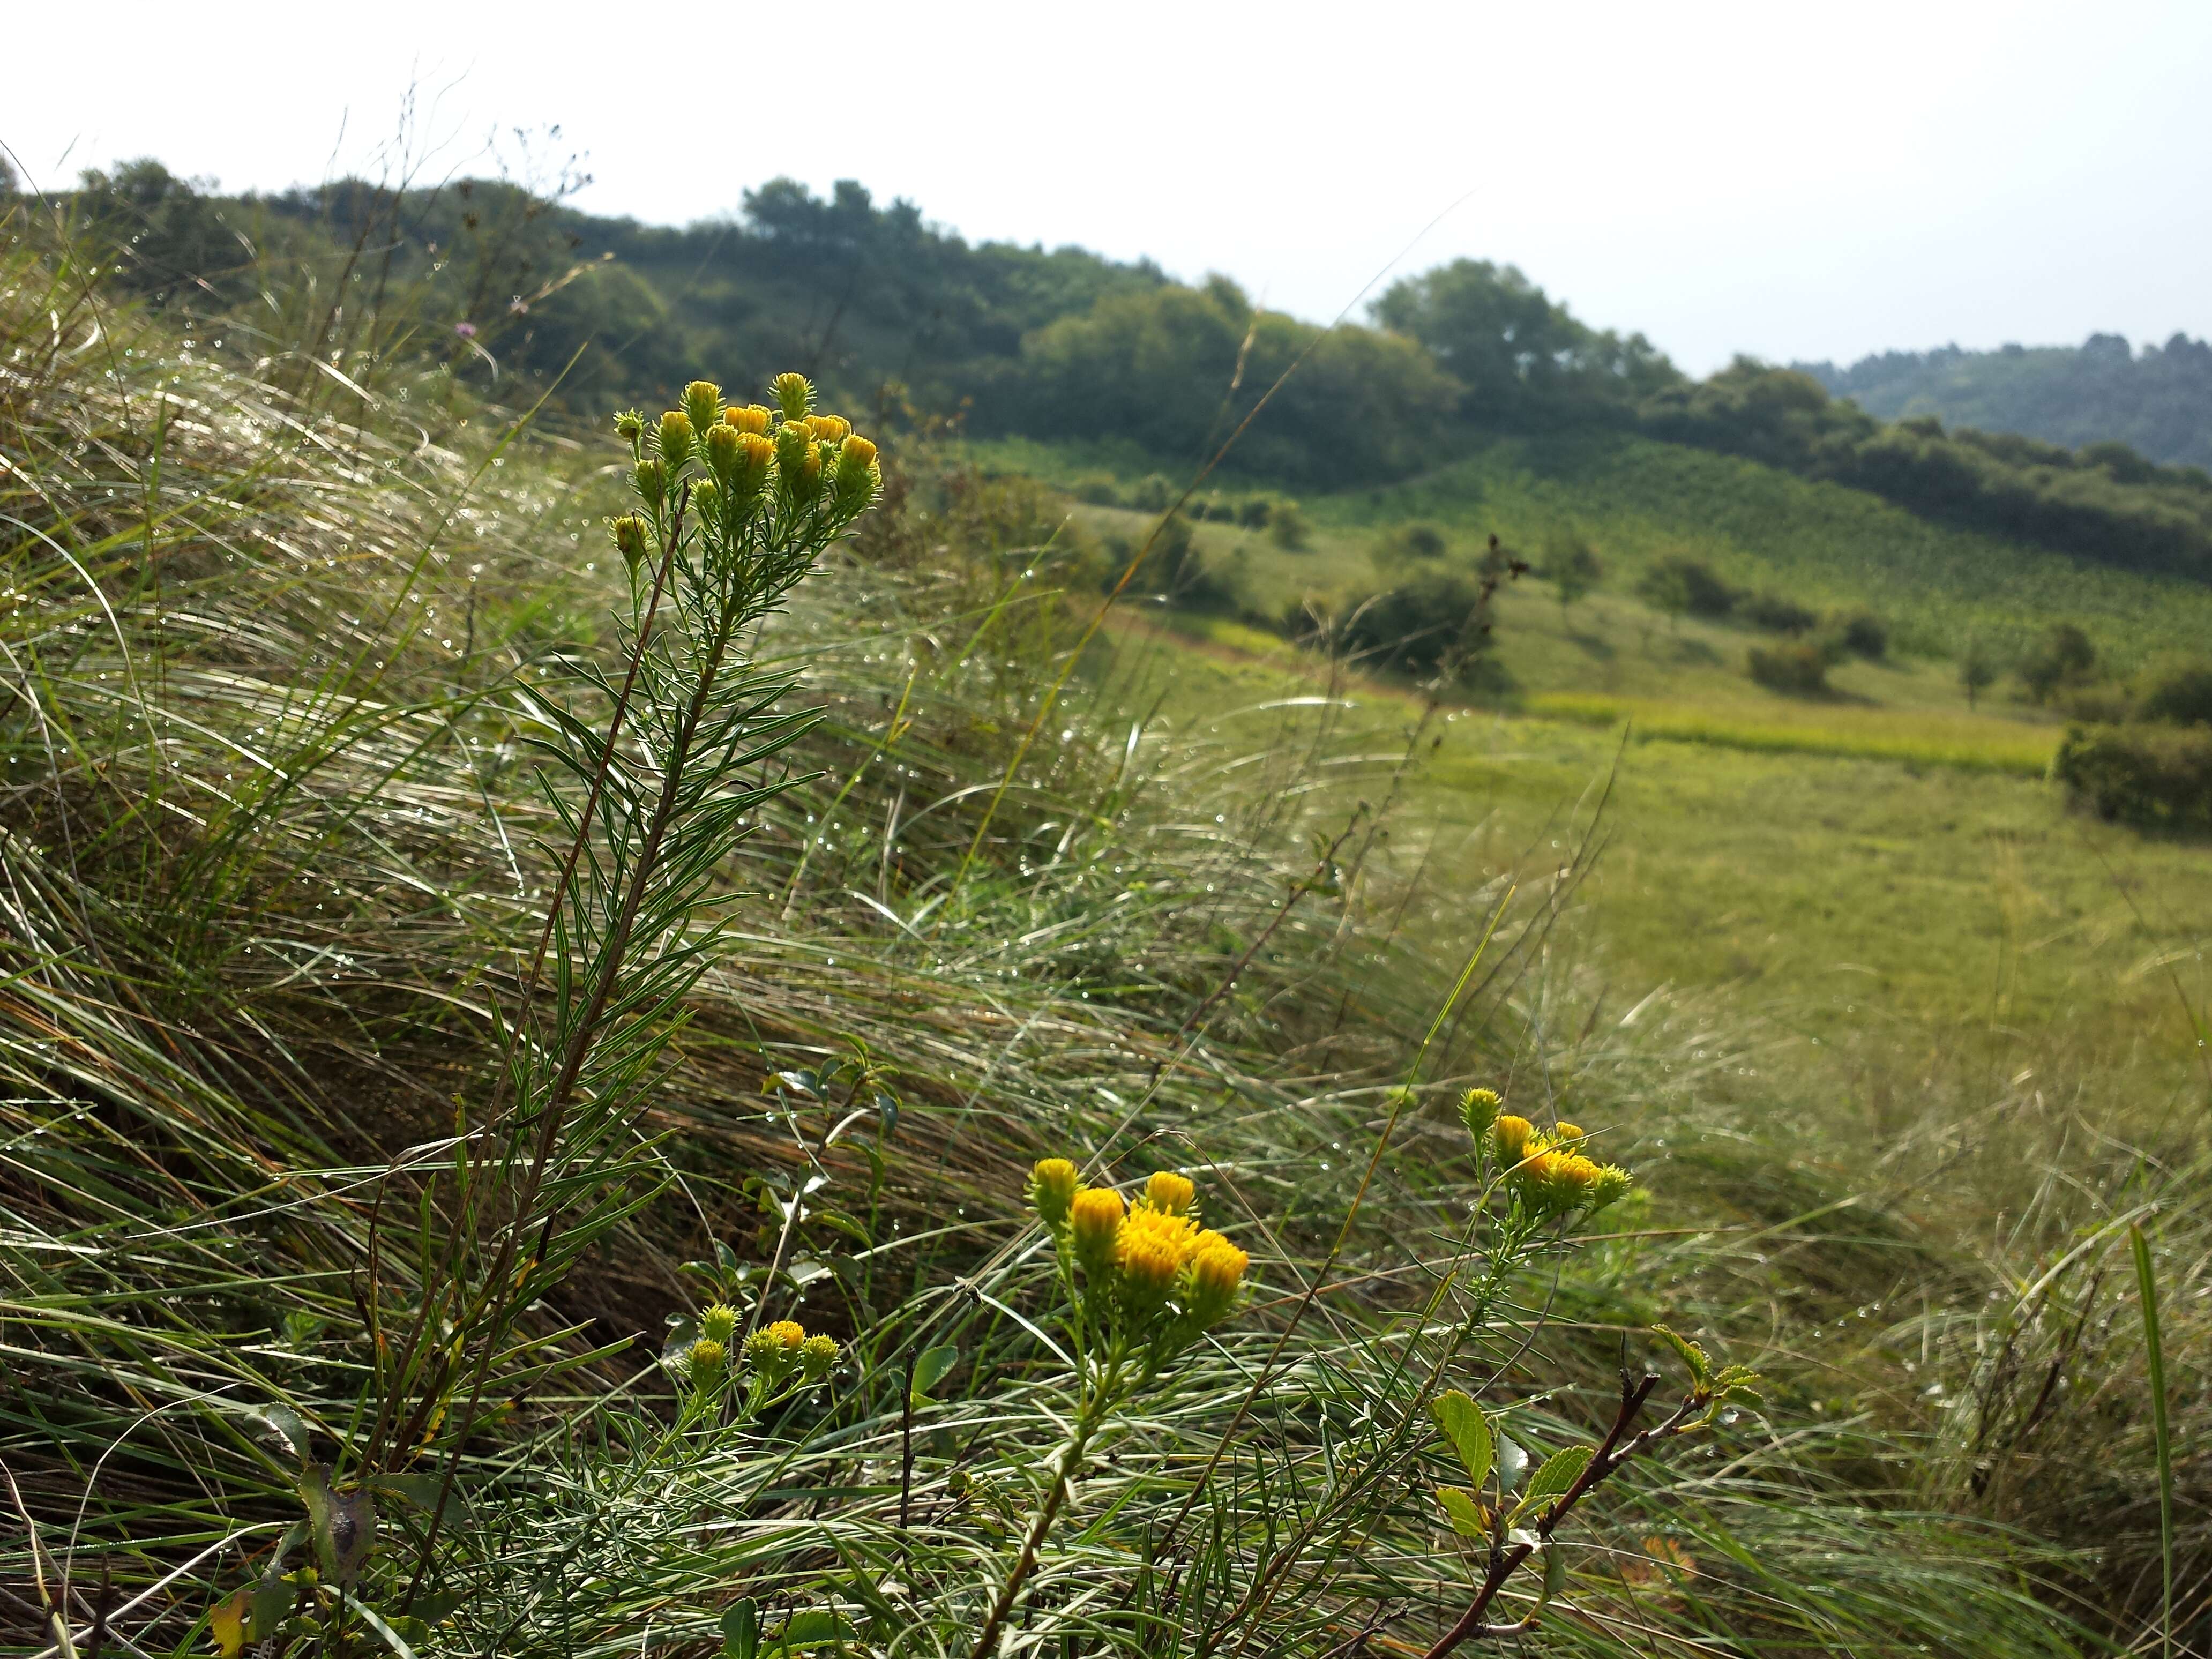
point(278, 842)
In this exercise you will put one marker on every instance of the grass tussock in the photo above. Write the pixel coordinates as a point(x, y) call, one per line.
point(290, 666)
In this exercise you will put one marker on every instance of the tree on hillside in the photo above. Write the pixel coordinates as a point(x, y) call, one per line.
point(1571, 566)
point(1978, 670)
point(1521, 356)
point(2064, 657)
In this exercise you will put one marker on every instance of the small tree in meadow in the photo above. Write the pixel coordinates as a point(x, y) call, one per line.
point(1572, 566)
point(1978, 670)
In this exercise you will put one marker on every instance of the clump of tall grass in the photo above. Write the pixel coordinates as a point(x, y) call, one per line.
point(367, 1279)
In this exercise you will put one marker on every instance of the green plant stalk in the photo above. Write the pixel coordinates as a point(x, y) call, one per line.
point(2155, 1351)
point(1106, 1391)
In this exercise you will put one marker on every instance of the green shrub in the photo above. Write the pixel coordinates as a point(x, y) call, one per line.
point(1099, 489)
point(2156, 775)
point(1777, 613)
point(1288, 528)
point(1799, 670)
point(1153, 494)
point(1571, 566)
point(2179, 693)
point(1679, 583)
point(1414, 543)
point(1864, 634)
point(1254, 511)
point(1433, 622)
point(2064, 657)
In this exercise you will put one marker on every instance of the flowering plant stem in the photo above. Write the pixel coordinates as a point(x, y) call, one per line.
point(1109, 1382)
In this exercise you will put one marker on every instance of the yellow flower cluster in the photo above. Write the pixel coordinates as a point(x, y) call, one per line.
point(773, 1354)
point(1138, 1261)
point(814, 461)
point(1549, 1173)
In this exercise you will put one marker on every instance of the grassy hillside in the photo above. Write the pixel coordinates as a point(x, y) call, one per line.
point(1636, 500)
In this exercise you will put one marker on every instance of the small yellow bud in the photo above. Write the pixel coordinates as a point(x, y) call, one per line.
point(753, 417)
point(651, 478)
point(763, 1351)
point(707, 499)
point(1510, 1137)
point(629, 532)
point(1094, 1222)
point(719, 1323)
point(1170, 1192)
point(703, 404)
point(724, 451)
point(794, 395)
point(1567, 1134)
point(1478, 1109)
point(708, 1357)
point(1611, 1183)
point(816, 1355)
point(675, 438)
point(630, 427)
point(1052, 1185)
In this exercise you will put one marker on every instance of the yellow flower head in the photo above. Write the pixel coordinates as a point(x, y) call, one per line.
point(675, 437)
point(1170, 1192)
point(794, 395)
point(856, 455)
point(1510, 1139)
point(790, 1335)
point(703, 404)
point(706, 498)
point(719, 1323)
point(707, 1358)
point(816, 1355)
point(723, 450)
point(828, 428)
point(1152, 1249)
point(1217, 1274)
point(757, 454)
point(651, 479)
point(1478, 1109)
point(1568, 1134)
point(753, 418)
point(1053, 1184)
point(1094, 1223)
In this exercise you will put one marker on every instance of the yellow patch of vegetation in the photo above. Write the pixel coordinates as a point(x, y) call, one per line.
point(1931, 737)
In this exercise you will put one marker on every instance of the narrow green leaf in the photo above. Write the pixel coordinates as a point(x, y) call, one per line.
point(1461, 1509)
point(2162, 1444)
point(1469, 1431)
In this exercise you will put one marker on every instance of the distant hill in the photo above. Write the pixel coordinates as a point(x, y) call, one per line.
point(2157, 400)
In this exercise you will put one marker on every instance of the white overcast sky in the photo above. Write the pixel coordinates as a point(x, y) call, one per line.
point(1789, 179)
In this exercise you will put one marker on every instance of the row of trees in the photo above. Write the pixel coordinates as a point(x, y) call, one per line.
point(504, 275)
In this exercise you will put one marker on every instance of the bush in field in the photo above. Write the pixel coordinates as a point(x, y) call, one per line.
point(1777, 613)
point(1678, 583)
point(2158, 776)
point(1410, 545)
point(1799, 670)
point(1254, 511)
point(1978, 670)
point(2178, 694)
point(1152, 493)
point(1098, 489)
point(1864, 634)
point(1289, 528)
point(2063, 658)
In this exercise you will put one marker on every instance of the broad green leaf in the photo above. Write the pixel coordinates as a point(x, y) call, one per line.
point(391, 1638)
point(1513, 1463)
point(1701, 1366)
point(1469, 1431)
point(342, 1525)
point(930, 1370)
point(1463, 1511)
point(271, 1599)
point(1559, 1471)
point(227, 1625)
point(741, 1630)
point(282, 1423)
